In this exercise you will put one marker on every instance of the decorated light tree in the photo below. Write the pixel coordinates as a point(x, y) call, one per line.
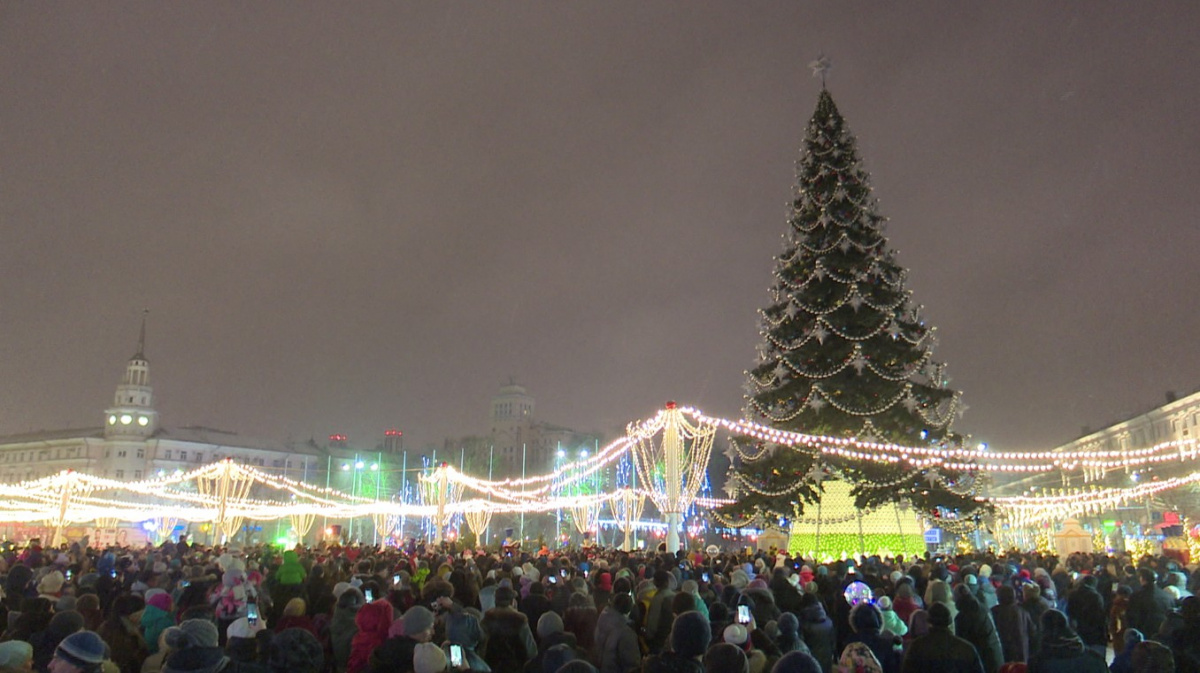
point(845, 352)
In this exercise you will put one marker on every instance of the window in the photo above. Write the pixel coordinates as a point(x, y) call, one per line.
point(106, 453)
point(141, 453)
point(120, 474)
point(120, 454)
point(137, 474)
point(167, 454)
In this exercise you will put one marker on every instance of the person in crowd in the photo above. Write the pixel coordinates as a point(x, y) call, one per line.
point(508, 641)
point(1085, 609)
point(16, 656)
point(1149, 605)
point(1062, 650)
point(658, 614)
point(974, 624)
point(1152, 657)
point(940, 651)
point(396, 653)
point(725, 658)
point(1123, 661)
point(817, 630)
point(342, 627)
point(1013, 625)
point(80, 652)
point(373, 622)
point(689, 639)
point(615, 645)
point(867, 622)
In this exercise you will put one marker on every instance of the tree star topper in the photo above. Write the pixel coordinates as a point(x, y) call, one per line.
point(820, 67)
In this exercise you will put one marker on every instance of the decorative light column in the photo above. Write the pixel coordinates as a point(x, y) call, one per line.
point(672, 469)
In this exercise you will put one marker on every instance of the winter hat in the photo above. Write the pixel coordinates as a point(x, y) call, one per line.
point(64, 603)
point(1133, 637)
point(939, 615)
point(196, 660)
point(726, 658)
point(241, 628)
point(351, 598)
point(884, 603)
point(577, 666)
point(340, 588)
point(429, 658)
point(690, 634)
point(417, 619)
point(549, 624)
point(972, 580)
point(161, 601)
point(51, 583)
point(985, 571)
point(191, 633)
point(735, 634)
point(15, 653)
point(604, 582)
point(463, 629)
point(866, 617)
point(797, 662)
point(789, 623)
point(83, 649)
point(295, 651)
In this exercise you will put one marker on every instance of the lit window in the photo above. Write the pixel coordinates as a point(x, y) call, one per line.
point(112, 420)
point(143, 421)
point(126, 419)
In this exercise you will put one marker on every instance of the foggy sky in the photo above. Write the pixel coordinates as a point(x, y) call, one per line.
point(348, 220)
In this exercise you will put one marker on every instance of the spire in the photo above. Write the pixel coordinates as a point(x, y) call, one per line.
point(141, 351)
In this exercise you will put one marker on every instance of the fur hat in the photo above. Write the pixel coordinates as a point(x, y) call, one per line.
point(51, 582)
point(735, 634)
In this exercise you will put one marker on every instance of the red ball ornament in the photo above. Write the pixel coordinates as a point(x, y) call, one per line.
point(671, 404)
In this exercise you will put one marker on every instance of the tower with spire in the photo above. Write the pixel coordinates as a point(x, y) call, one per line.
point(132, 415)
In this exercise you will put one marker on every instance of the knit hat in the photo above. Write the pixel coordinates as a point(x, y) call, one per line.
point(789, 623)
point(83, 649)
point(604, 582)
point(558, 656)
point(726, 658)
point(690, 634)
point(985, 571)
point(735, 634)
point(797, 662)
point(161, 601)
point(549, 624)
point(241, 628)
point(972, 580)
point(429, 658)
point(417, 619)
point(196, 660)
point(191, 633)
point(884, 603)
point(15, 653)
point(295, 651)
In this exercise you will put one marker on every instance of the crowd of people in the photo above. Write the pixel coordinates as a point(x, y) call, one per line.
point(180, 608)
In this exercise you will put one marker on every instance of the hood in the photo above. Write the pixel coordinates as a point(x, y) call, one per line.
point(374, 618)
point(813, 613)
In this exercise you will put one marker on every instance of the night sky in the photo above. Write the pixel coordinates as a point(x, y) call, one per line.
point(344, 221)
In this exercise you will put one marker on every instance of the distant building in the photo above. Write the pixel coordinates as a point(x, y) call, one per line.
point(1177, 419)
point(132, 443)
point(522, 445)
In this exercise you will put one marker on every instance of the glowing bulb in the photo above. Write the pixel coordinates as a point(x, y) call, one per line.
point(126, 419)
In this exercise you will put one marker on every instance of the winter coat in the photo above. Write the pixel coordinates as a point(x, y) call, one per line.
point(553, 640)
point(985, 593)
point(1148, 607)
point(582, 622)
point(373, 621)
point(341, 632)
point(669, 662)
point(817, 629)
point(1015, 628)
point(615, 649)
point(290, 572)
point(155, 620)
point(394, 654)
point(126, 642)
point(974, 625)
point(940, 651)
point(765, 609)
point(509, 642)
point(658, 619)
point(1066, 656)
point(1085, 607)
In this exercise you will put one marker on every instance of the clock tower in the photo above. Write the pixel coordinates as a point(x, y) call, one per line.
point(132, 415)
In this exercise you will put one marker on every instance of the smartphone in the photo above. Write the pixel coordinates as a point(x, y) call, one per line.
point(252, 614)
point(704, 576)
point(370, 595)
point(185, 584)
point(114, 573)
point(552, 579)
point(69, 573)
point(395, 579)
point(563, 572)
point(743, 614)
point(456, 655)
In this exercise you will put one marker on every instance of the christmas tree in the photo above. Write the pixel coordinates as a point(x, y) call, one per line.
point(845, 351)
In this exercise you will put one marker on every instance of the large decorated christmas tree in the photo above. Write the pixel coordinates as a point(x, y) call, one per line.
point(845, 354)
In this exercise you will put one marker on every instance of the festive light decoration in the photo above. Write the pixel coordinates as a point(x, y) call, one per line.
point(673, 468)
